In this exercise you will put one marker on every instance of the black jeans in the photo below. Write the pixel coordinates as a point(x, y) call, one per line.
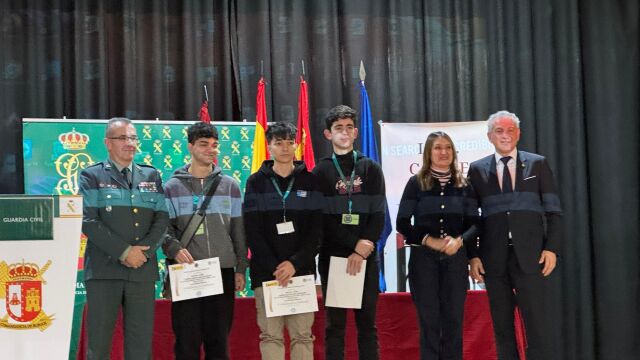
point(439, 288)
point(205, 320)
point(336, 318)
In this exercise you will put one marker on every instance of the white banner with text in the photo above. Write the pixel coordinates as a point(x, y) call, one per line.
point(39, 246)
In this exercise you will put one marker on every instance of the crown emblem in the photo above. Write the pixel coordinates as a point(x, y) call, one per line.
point(74, 140)
point(23, 271)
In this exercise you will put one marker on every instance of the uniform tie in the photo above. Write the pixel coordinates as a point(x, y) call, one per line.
point(506, 176)
point(127, 176)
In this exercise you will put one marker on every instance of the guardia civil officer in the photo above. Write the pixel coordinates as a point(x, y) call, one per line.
point(125, 219)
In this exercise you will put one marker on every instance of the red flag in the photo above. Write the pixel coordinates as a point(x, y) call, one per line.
point(204, 112)
point(303, 137)
point(260, 152)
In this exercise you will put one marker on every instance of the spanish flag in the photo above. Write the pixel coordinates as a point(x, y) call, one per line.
point(259, 141)
point(303, 137)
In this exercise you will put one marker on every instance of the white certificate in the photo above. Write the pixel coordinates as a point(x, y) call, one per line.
point(189, 281)
point(344, 290)
point(298, 297)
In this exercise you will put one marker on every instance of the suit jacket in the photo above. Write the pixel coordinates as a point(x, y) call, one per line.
point(532, 213)
point(116, 217)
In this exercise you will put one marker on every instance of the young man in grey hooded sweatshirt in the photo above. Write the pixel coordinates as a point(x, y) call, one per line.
point(206, 320)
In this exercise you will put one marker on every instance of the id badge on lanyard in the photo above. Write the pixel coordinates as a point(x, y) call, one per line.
point(350, 218)
point(285, 227)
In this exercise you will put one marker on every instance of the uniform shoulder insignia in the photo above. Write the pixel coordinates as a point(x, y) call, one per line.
point(146, 166)
point(96, 164)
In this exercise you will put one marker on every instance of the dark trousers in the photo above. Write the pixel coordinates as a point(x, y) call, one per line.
point(204, 321)
point(104, 299)
point(529, 292)
point(439, 289)
point(336, 318)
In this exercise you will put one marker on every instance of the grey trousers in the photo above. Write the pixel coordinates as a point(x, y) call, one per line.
point(104, 299)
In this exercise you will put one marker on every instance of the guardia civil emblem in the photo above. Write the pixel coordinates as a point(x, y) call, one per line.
point(71, 163)
point(21, 288)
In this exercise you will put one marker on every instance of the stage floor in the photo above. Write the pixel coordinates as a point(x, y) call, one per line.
point(396, 321)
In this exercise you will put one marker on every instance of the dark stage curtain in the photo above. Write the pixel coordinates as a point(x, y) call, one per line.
point(569, 69)
point(610, 38)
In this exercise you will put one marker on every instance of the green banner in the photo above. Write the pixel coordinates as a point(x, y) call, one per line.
point(26, 218)
point(56, 151)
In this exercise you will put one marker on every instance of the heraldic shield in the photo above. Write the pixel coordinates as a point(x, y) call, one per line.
point(23, 300)
point(21, 286)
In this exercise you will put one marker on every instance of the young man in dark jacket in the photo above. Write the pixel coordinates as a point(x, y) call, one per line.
point(353, 186)
point(206, 320)
point(283, 222)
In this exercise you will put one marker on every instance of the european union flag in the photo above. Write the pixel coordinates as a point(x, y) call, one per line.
point(370, 149)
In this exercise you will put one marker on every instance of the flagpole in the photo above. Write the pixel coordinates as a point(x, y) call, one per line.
point(304, 151)
point(260, 152)
point(369, 148)
point(203, 115)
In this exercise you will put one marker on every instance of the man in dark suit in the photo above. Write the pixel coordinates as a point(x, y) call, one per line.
point(520, 237)
point(125, 219)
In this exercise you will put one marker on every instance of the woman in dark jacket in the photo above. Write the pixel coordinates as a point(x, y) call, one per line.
point(444, 219)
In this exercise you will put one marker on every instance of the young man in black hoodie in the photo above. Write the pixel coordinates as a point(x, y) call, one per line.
point(353, 186)
point(283, 223)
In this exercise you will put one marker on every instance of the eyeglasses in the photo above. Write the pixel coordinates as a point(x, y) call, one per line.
point(123, 138)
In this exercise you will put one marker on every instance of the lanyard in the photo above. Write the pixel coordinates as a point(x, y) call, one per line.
point(285, 195)
point(351, 178)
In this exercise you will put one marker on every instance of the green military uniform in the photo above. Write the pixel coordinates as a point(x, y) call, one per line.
point(116, 216)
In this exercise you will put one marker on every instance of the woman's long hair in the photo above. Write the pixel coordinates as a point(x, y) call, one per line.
point(424, 174)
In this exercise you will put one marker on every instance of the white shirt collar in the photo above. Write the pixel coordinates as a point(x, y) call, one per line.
point(513, 154)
